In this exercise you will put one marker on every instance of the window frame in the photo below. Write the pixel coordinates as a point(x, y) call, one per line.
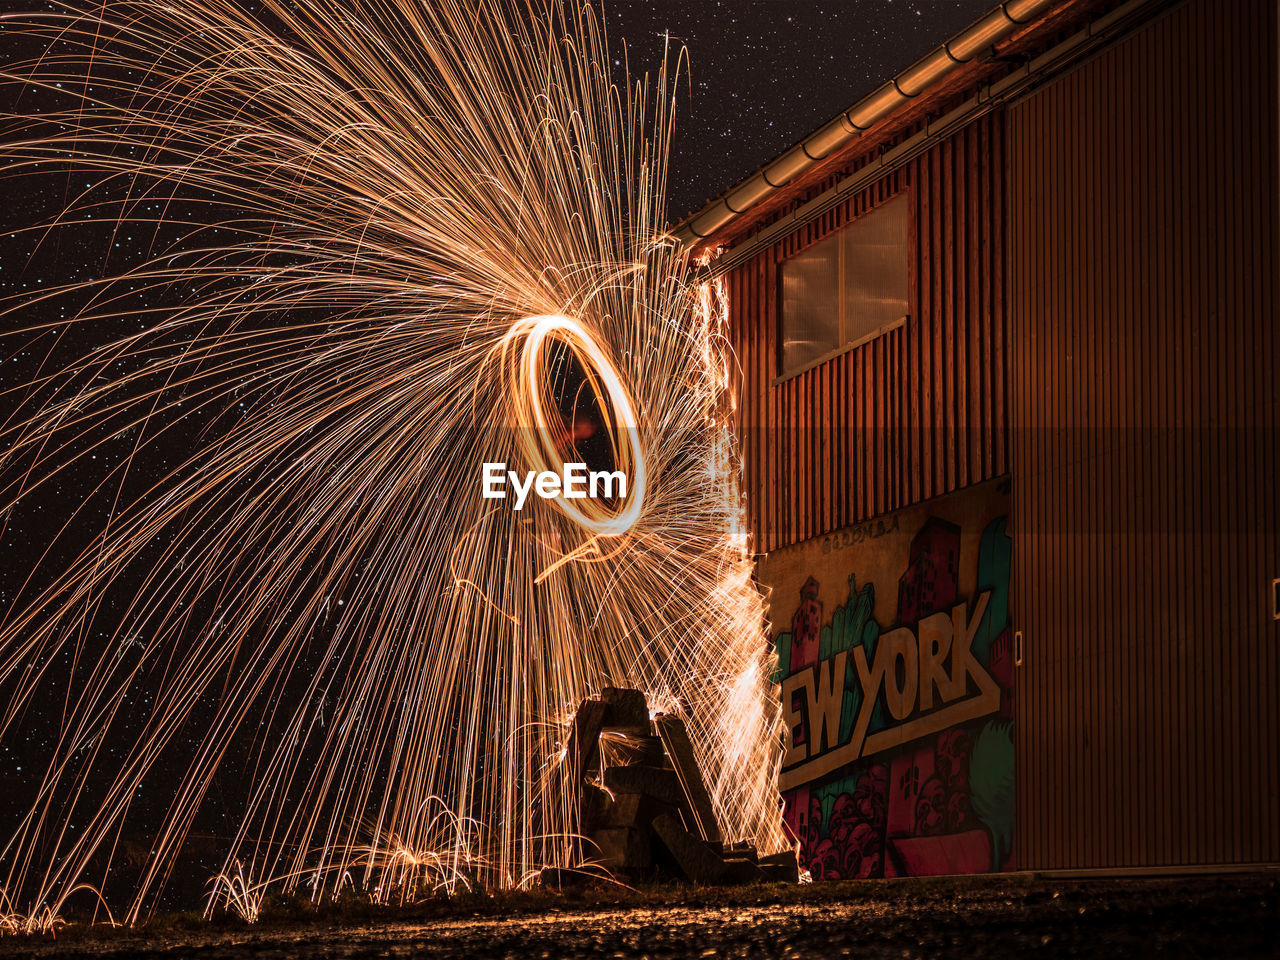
point(784, 375)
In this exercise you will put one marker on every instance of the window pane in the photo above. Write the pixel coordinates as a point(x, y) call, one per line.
point(810, 304)
point(875, 269)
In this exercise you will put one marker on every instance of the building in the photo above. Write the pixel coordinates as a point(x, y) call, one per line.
point(1008, 333)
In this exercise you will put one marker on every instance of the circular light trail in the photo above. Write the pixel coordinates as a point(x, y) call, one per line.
point(532, 396)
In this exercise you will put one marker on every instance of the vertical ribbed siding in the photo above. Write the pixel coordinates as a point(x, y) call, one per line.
point(1143, 263)
point(915, 413)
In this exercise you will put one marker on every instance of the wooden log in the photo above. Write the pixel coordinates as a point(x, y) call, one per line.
point(741, 850)
point(619, 749)
point(697, 802)
point(635, 810)
point(656, 782)
point(593, 807)
point(625, 708)
point(698, 862)
point(584, 739)
point(781, 867)
point(622, 849)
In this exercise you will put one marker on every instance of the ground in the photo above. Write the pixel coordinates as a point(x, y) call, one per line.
point(1012, 916)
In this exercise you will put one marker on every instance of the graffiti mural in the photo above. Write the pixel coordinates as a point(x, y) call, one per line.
point(896, 678)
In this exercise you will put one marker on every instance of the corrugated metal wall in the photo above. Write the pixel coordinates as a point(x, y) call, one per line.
point(1143, 270)
point(915, 413)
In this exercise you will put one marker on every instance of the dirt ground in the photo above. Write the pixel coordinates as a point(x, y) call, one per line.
point(1015, 916)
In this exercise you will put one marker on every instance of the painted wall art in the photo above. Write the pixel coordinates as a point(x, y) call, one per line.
point(896, 669)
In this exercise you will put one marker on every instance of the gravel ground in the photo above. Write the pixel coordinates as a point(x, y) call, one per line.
point(1231, 916)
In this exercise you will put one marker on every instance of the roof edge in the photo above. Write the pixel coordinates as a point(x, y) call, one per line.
point(929, 71)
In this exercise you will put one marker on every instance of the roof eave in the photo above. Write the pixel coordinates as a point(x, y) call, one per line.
point(854, 127)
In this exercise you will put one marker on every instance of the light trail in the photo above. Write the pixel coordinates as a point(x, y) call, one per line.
point(392, 214)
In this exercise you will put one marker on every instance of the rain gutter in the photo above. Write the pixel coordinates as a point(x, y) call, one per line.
point(1098, 34)
point(907, 85)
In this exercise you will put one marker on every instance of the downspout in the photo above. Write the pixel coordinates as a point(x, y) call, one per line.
point(929, 70)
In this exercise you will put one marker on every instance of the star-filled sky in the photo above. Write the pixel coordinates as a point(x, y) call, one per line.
point(764, 73)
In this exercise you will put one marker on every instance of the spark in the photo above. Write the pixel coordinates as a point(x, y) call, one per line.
point(236, 892)
point(401, 224)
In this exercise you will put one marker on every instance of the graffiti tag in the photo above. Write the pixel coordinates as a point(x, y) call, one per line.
point(925, 671)
point(859, 533)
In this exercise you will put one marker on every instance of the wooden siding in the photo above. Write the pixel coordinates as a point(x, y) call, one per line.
point(914, 413)
point(1143, 269)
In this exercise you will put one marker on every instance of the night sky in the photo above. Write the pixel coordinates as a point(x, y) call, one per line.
point(764, 74)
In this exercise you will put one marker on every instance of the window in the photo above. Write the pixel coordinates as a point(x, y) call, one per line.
point(844, 289)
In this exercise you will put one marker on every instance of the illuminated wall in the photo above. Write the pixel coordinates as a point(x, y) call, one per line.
point(895, 660)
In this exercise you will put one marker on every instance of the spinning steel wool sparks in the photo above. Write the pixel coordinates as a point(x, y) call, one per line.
point(417, 237)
